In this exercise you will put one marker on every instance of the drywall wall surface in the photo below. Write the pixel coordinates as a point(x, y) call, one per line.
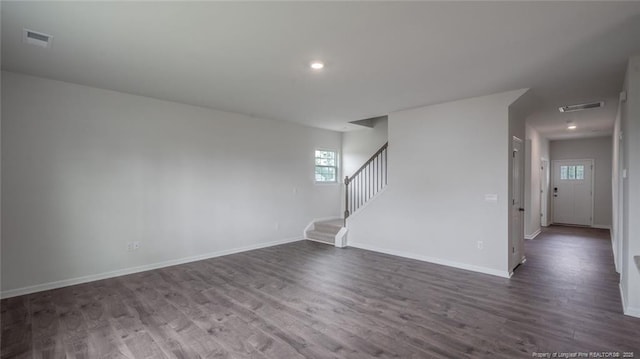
point(446, 162)
point(598, 149)
point(359, 145)
point(85, 171)
point(0, 163)
point(538, 150)
point(630, 128)
point(625, 266)
point(616, 193)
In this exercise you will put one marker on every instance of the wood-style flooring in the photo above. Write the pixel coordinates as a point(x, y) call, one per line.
point(308, 300)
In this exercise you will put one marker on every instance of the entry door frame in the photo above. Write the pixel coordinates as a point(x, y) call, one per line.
point(516, 204)
point(544, 192)
point(553, 182)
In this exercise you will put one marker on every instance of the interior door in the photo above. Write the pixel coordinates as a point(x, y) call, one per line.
point(517, 203)
point(544, 191)
point(573, 192)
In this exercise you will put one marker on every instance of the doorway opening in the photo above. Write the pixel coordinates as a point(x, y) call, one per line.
point(544, 192)
point(516, 247)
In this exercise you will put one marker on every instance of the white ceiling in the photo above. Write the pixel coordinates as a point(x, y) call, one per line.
point(252, 57)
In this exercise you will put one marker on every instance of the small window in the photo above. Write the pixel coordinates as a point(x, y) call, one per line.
point(326, 169)
point(572, 172)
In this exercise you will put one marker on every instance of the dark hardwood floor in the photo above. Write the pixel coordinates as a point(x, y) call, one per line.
point(314, 301)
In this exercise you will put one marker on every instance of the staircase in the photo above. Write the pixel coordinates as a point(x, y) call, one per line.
point(365, 183)
point(324, 231)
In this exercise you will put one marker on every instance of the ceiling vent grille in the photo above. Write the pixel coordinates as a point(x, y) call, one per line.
point(36, 38)
point(580, 107)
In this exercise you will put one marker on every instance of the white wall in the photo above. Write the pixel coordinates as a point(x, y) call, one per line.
point(86, 170)
point(630, 155)
point(616, 193)
point(0, 163)
point(598, 149)
point(538, 150)
point(358, 146)
point(443, 159)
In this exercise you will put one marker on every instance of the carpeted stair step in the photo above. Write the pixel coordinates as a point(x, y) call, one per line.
point(321, 236)
point(332, 226)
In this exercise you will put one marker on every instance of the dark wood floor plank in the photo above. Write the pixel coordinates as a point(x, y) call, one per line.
point(259, 339)
point(308, 300)
point(246, 294)
point(426, 328)
point(310, 304)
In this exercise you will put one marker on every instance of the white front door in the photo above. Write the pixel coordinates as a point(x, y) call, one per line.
point(517, 205)
point(573, 192)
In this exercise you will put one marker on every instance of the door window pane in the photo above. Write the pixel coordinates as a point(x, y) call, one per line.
point(572, 172)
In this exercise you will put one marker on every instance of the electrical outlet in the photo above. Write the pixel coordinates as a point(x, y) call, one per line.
point(480, 244)
point(133, 246)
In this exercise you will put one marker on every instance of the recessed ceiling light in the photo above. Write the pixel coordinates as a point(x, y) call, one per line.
point(317, 65)
point(572, 127)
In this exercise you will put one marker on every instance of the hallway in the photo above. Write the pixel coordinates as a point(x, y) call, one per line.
point(569, 287)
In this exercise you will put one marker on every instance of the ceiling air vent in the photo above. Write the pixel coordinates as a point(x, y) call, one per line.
point(584, 106)
point(36, 38)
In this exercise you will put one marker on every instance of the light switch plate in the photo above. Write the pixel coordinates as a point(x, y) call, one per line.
point(491, 197)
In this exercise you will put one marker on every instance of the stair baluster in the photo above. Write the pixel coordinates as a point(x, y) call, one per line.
point(366, 182)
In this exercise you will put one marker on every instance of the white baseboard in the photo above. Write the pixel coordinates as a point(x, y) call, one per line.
point(445, 262)
point(630, 311)
point(94, 277)
point(601, 226)
point(523, 260)
point(533, 235)
point(319, 241)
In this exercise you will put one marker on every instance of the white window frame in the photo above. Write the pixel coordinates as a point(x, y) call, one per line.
point(337, 166)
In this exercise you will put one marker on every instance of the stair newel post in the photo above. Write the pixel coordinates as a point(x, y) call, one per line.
point(346, 199)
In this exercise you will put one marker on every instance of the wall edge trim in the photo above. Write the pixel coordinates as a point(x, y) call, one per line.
point(533, 235)
point(440, 261)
